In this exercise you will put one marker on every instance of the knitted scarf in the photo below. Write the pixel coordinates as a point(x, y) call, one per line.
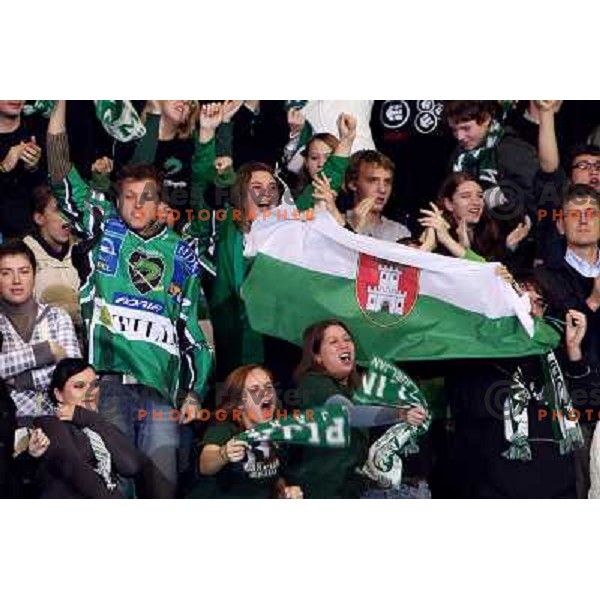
point(102, 456)
point(386, 385)
point(481, 161)
point(324, 427)
point(118, 117)
point(516, 419)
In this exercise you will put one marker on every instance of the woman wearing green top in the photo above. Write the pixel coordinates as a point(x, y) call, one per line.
point(328, 368)
point(236, 468)
point(252, 191)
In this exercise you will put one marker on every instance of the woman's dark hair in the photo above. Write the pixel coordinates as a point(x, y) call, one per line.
point(311, 346)
point(65, 369)
point(487, 239)
point(232, 394)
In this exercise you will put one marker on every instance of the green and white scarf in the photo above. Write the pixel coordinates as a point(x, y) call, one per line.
point(118, 117)
point(481, 161)
point(323, 427)
point(386, 385)
point(516, 419)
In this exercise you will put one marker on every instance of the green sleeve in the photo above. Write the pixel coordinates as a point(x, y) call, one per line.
point(219, 434)
point(224, 140)
point(100, 182)
point(473, 256)
point(197, 356)
point(84, 208)
point(334, 169)
point(145, 148)
point(203, 175)
point(315, 389)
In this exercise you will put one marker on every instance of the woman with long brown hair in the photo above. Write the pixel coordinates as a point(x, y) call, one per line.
point(328, 368)
point(463, 226)
point(238, 469)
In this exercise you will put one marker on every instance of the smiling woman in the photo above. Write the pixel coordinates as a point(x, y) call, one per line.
point(328, 368)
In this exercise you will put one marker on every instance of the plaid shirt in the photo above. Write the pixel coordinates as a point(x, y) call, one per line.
point(18, 364)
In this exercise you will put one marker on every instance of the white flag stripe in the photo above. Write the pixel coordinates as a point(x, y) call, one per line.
point(323, 246)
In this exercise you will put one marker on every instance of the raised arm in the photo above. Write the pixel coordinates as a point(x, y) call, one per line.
point(335, 167)
point(547, 143)
point(84, 208)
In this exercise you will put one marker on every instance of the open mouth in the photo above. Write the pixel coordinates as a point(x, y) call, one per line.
point(345, 358)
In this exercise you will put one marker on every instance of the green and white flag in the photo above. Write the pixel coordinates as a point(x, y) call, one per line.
point(400, 303)
point(118, 117)
point(322, 427)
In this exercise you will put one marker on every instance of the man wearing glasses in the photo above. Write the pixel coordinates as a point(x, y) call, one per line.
point(573, 281)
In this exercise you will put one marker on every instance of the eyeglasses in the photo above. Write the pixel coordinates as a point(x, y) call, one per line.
point(584, 165)
point(257, 390)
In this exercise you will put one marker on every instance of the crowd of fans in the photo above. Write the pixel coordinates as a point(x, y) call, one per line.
point(121, 315)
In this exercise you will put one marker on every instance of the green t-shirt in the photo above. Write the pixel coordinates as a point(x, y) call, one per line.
point(327, 472)
point(253, 477)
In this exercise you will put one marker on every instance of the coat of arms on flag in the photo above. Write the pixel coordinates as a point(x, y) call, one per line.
point(386, 291)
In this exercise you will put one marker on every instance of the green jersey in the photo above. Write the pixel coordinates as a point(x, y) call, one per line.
point(139, 296)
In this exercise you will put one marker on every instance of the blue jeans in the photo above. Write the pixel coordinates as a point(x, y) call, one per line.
point(420, 491)
point(151, 423)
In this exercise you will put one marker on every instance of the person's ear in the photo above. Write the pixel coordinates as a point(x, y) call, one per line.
point(560, 225)
point(352, 186)
point(58, 395)
point(487, 120)
point(448, 205)
point(318, 360)
point(39, 219)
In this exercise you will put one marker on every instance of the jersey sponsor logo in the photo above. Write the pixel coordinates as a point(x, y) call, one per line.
point(107, 261)
point(186, 254)
point(138, 325)
point(135, 302)
point(146, 271)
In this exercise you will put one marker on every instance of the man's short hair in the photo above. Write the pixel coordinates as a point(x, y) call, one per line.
point(139, 173)
point(366, 157)
point(580, 191)
point(461, 111)
point(16, 248)
point(582, 148)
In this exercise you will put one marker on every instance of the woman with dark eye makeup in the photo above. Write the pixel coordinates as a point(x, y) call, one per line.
point(86, 455)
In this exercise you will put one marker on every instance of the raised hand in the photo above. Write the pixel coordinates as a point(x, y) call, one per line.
point(576, 326)
point(325, 196)
point(222, 163)
point(211, 115)
point(518, 234)
point(153, 107)
point(548, 105)
point(296, 119)
point(31, 154)
point(347, 127)
point(103, 165)
point(12, 158)
point(230, 108)
point(234, 450)
point(362, 214)
point(38, 443)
